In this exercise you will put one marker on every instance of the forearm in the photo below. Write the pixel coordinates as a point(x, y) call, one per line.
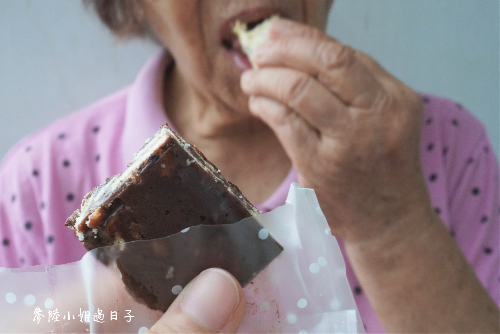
point(418, 280)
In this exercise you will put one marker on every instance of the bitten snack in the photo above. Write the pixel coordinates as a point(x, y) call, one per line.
point(251, 39)
point(167, 188)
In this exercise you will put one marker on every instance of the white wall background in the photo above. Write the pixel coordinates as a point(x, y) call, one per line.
point(55, 57)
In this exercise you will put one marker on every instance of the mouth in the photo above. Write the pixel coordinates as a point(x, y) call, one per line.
point(231, 42)
point(228, 39)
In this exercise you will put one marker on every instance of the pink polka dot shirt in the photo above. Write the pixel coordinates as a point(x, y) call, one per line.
point(44, 178)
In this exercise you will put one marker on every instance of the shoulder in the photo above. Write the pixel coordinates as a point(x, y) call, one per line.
point(70, 133)
point(43, 178)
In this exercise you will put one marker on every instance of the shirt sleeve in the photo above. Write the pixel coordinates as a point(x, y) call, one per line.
point(474, 210)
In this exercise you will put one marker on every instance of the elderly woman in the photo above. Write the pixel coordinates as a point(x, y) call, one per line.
point(407, 182)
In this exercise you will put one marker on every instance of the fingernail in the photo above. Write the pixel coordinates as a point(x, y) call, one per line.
point(246, 77)
point(212, 299)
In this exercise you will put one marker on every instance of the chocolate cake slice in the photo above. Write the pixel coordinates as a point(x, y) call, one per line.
point(169, 187)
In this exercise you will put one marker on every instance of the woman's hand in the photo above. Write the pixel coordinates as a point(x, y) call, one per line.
point(212, 303)
point(351, 130)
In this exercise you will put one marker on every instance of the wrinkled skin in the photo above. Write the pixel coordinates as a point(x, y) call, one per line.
point(351, 129)
point(352, 132)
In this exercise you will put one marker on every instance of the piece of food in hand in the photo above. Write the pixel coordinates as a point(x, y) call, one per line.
point(167, 188)
point(253, 38)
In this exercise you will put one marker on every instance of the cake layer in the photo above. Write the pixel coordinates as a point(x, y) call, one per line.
point(168, 186)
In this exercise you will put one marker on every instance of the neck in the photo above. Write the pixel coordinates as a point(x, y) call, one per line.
point(244, 148)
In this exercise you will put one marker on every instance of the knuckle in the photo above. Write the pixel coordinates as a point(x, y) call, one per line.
point(296, 90)
point(335, 55)
point(281, 118)
point(275, 113)
point(403, 119)
point(366, 59)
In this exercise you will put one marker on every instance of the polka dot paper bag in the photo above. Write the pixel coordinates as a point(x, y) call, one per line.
point(290, 265)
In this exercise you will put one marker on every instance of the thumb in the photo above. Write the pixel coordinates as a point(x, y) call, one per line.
point(212, 302)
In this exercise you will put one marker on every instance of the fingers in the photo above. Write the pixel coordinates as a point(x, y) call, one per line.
point(297, 137)
point(213, 302)
point(309, 50)
point(374, 67)
point(301, 93)
point(284, 28)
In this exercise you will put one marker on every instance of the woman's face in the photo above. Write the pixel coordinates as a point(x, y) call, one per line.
point(199, 35)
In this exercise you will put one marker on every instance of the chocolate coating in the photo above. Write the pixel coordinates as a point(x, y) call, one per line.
point(169, 195)
point(173, 189)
